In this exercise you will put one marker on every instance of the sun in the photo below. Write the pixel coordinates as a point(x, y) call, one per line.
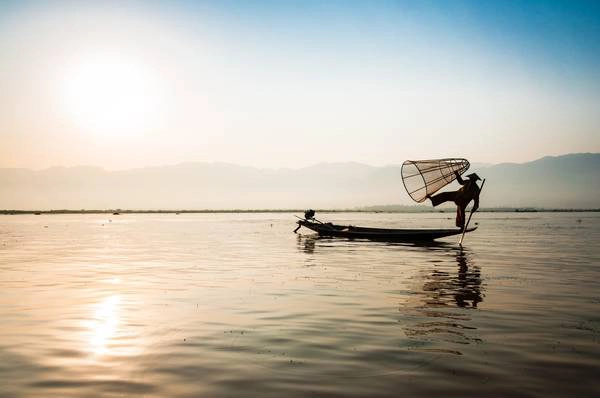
point(110, 95)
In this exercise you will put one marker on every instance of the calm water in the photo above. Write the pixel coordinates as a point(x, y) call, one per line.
point(237, 305)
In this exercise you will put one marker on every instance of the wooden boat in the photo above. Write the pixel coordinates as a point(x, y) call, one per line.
point(380, 234)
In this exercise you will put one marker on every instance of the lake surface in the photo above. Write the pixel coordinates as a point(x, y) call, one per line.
point(223, 305)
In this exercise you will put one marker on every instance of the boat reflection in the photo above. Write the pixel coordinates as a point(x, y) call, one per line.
point(440, 313)
point(306, 243)
point(445, 287)
point(442, 291)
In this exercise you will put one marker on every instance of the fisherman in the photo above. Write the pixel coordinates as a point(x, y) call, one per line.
point(469, 191)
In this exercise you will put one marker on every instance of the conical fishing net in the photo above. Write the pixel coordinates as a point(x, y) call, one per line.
point(425, 177)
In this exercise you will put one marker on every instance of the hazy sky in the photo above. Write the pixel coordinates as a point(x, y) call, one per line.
point(289, 84)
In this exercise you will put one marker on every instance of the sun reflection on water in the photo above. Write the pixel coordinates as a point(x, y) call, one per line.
point(104, 324)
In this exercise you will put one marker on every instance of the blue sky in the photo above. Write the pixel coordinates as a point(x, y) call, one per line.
point(287, 84)
point(552, 35)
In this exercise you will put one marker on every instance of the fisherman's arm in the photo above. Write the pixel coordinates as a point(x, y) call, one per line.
point(459, 178)
point(476, 202)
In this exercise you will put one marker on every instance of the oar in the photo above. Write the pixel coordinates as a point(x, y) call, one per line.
point(304, 219)
point(469, 219)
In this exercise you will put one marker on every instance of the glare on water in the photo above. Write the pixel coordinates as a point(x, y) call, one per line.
point(104, 324)
point(236, 304)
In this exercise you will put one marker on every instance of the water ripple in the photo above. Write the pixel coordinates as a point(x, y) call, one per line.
point(236, 305)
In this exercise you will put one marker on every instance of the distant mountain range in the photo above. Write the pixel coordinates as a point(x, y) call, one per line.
point(568, 181)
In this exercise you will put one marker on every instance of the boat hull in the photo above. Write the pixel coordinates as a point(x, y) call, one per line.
point(380, 234)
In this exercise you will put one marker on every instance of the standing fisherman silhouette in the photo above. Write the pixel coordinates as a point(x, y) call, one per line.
point(469, 191)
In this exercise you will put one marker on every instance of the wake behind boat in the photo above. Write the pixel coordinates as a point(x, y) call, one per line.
point(380, 234)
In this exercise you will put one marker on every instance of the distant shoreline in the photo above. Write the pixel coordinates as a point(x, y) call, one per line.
point(219, 211)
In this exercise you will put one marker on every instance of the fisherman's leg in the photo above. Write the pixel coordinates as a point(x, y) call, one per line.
point(442, 197)
point(460, 217)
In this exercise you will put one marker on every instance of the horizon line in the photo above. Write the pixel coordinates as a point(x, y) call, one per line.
point(365, 209)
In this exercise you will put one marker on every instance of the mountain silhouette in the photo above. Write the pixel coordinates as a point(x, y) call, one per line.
point(567, 181)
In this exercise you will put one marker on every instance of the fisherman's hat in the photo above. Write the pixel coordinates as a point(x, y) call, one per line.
point(473, 176)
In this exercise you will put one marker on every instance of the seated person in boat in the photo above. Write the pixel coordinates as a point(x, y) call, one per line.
point(469, 191)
